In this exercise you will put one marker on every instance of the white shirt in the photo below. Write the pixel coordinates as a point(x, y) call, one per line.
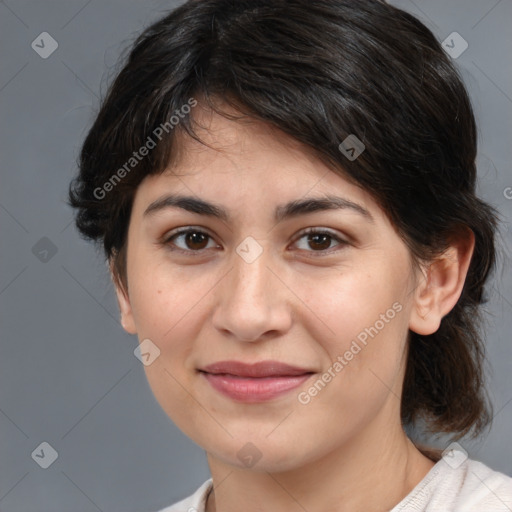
point(470, 487)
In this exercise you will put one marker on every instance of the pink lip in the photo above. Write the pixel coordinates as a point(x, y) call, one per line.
point(256, 382)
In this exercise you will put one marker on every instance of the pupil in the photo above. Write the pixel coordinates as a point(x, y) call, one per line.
point(193, 239)
point(321, 241)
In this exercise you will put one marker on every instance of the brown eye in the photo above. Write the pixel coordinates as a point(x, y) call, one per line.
point(320, 241)
point(195, 240)
point(189, 240)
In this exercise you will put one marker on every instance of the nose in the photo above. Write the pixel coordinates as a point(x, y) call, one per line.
point(253, 303)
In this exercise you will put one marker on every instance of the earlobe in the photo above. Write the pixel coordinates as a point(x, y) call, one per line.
point(126, 311)
point(424, 315)
point(125, 308)
point(440, 285)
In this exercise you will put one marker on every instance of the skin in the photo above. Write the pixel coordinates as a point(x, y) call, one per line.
point(297, 303)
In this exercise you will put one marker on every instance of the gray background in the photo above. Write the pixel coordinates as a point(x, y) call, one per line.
point(68, 375)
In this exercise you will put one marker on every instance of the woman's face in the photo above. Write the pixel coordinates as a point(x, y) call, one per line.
point(249, 284)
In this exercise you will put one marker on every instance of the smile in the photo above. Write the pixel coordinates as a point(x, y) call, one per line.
point(253, 383)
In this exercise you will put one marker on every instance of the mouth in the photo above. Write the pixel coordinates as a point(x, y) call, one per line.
point(253, 383)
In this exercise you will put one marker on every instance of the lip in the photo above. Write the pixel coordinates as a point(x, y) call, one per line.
point(256, 370)
point(257, 382)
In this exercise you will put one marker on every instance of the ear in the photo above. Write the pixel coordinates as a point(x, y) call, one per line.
point(123, 301)
point(440, 285)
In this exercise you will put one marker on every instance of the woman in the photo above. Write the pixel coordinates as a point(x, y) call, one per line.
point(285, 192)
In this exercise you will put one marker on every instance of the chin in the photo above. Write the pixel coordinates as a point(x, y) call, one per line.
point(259, 454)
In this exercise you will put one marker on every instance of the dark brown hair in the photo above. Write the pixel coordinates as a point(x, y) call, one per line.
point(319, 71)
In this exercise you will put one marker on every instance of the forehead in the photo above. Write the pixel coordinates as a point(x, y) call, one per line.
point(246, 161)
point(241, 141)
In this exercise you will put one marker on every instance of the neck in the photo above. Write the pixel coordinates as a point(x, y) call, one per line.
point(371, 473)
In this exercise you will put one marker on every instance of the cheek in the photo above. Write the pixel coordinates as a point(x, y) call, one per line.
point(351, 304)
point(362, 332)
point(168, 316)
point(169, 308)
point(164, 299)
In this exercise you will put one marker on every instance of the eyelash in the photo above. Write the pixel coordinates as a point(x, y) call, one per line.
point(309, 231)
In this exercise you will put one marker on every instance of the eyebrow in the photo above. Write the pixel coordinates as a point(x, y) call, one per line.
point(289, 210)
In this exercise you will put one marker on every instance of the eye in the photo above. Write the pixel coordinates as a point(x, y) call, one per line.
point(319, 240)
point(189, 240)
point(193, 240)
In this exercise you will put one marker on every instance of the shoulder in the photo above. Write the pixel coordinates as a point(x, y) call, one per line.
point(193, 503)
point(470, 486)
point(483, 489)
